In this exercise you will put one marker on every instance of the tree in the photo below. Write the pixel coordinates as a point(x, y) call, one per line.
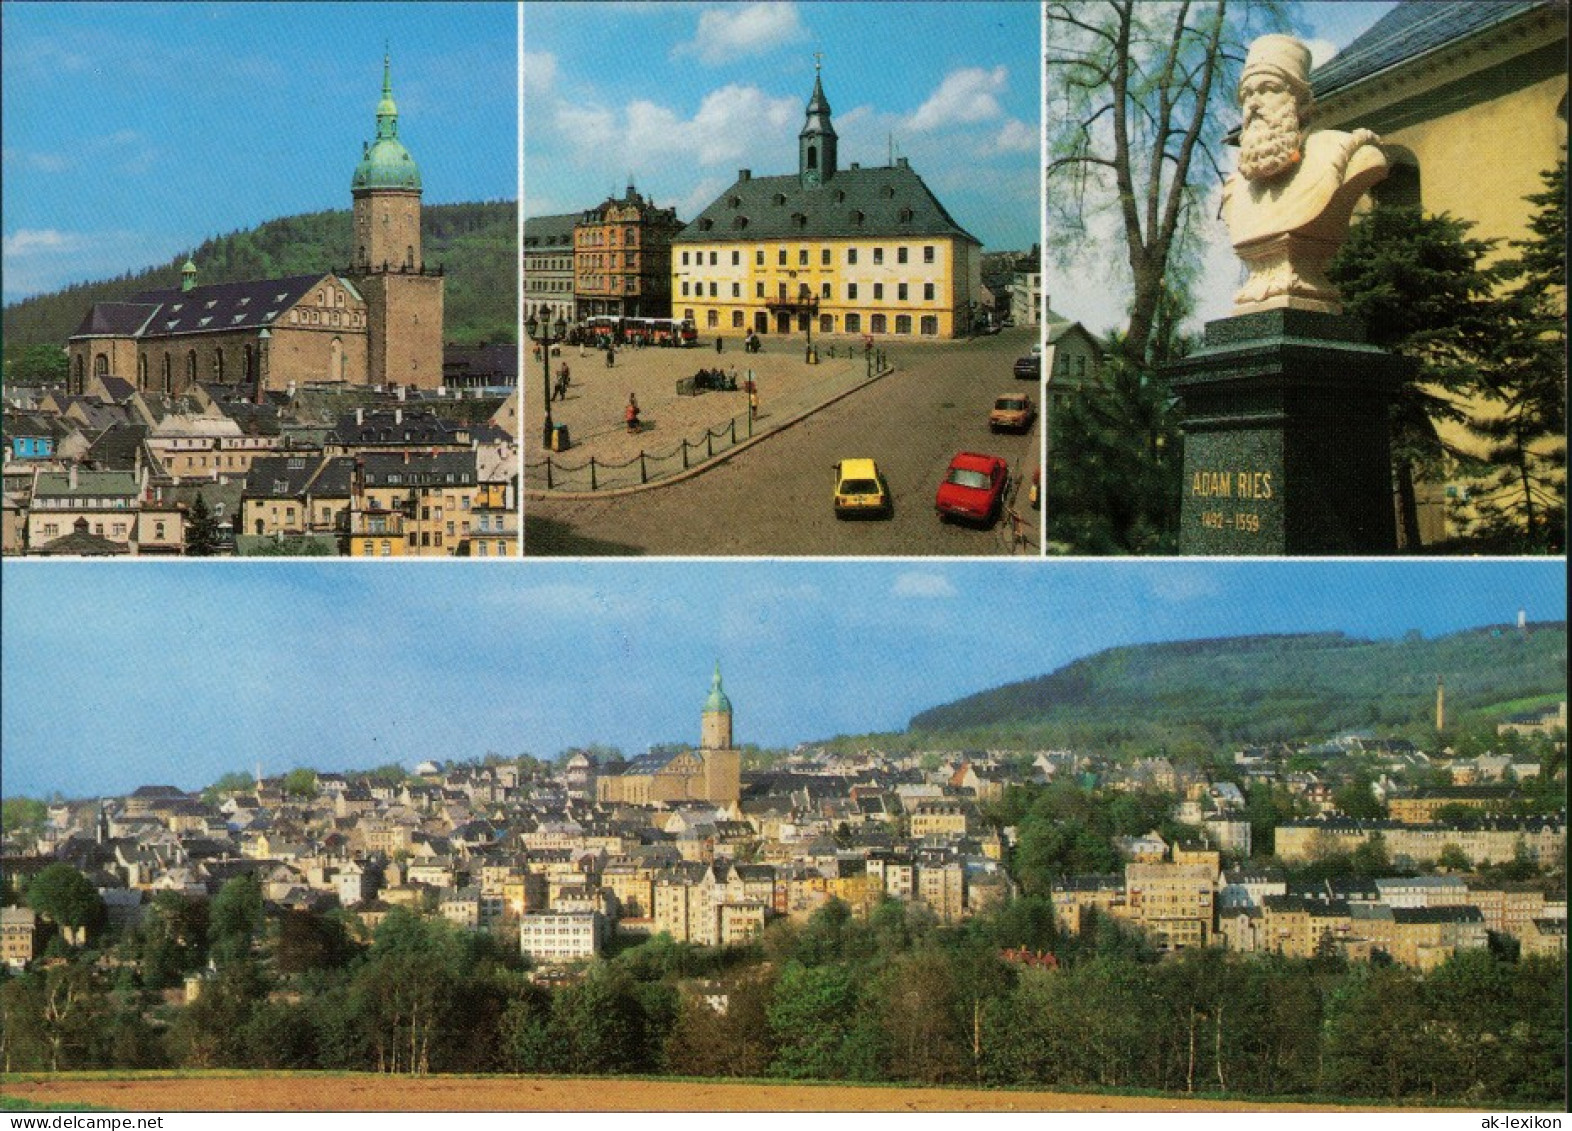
point(36, 365)
point(1419, 284)
point(201, 530)
point(1115, 460)
point(235, 918)
point(1137, 93)
point(25, 815)
point(65, 896)
point(301, 782)
point(1523, 372)
point(1356, 799)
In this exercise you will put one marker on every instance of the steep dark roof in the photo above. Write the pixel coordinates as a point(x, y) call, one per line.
point(1410, 30)
point(499, 364)
point(418, 470)
point(401, 427)
point(248, 305)
point(116, 448)
point(119, 319)
point(294, 476)
point(549, 232)
point(887, 202)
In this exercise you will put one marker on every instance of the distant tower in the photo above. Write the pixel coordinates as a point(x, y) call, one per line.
point(187, 275)
point(715, 724)
point(404, 303)
point(722, 762)
point(1440, 705)
point(816, 144)
point(1522, 620)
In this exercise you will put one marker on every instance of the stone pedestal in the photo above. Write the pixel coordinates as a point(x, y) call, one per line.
point(1287, 446)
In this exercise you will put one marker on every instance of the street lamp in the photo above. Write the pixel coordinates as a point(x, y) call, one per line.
point(545, 341)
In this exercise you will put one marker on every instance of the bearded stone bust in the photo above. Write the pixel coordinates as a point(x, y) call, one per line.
point(1289, 204)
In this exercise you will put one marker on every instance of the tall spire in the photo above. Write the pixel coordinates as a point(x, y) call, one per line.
point(387, 109)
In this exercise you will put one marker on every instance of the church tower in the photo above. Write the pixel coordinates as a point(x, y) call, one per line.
point(722, 763)
point(816, 143)
point(715, 724)
point(404, 300)
point(1440, 704)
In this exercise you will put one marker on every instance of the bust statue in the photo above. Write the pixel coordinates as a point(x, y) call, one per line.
point(1288, 205)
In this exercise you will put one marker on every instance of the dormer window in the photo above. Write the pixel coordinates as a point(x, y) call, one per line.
point(734, 202)
point(740, 222)
point(799, 219)
point(857, 218)
point(887, 192)
point(211, 303)
point(906, 215)
point(780, 198)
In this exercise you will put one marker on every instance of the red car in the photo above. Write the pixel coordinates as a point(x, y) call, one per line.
point(973, 488)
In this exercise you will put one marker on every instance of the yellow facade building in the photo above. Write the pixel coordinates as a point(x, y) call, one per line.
point(827, 250)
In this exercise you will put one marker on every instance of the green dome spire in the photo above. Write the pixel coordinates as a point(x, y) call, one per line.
point(386, 164)
point(717, 702)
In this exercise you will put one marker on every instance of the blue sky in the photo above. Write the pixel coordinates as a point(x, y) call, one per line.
point(1093, 287)
point(135, 131)
point(126, 674)
point(681, 96)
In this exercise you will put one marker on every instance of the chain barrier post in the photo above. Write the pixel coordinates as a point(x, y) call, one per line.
point(644, 476)
point(593, 485)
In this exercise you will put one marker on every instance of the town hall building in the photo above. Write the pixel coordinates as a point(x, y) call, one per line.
point(378, 323)
point(827, 249)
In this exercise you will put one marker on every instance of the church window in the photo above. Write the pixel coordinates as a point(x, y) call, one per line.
point(168, 382)
point(409, 256)
point(141, 372)
point(218, 364)
point(191, 368)
point(813, 157)
point(101, 366)
point(247, 364)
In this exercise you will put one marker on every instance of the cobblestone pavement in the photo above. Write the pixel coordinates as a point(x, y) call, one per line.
point(593, 410)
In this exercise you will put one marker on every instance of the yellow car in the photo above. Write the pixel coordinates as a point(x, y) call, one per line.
point(860, 489)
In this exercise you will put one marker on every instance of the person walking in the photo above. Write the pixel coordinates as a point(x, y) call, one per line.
point(611, 357)
point(753, 402)
point(631, 413)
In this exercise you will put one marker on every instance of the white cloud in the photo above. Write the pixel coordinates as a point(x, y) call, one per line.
point(43, 241)
point(540, 72)
point(926, 586)
point(731, 32)
point(1184, 585)
point(1017, 136)
point(964, 97)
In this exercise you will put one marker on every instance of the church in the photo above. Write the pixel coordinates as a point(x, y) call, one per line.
point(713, 772)
point(377, 323)
point(827, 250)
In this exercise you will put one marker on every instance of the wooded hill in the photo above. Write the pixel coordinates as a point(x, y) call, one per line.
point(476, 244)
point(1254, 689)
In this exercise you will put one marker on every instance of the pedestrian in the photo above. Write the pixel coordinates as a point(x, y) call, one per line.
point(611, 357)
point(753, 403)
point(717, 343)
point(631, 413)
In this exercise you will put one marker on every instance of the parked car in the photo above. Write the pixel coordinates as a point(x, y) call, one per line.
point(1012, 412)
point(973, 488)
point(860, 490)
point(1029, 368)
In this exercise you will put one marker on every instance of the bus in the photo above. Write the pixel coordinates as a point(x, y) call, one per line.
point(651, 331)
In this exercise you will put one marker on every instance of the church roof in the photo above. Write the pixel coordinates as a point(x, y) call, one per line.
point(1408, 31)
point(251, 305)
point(886, 202)
point(717, 701)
